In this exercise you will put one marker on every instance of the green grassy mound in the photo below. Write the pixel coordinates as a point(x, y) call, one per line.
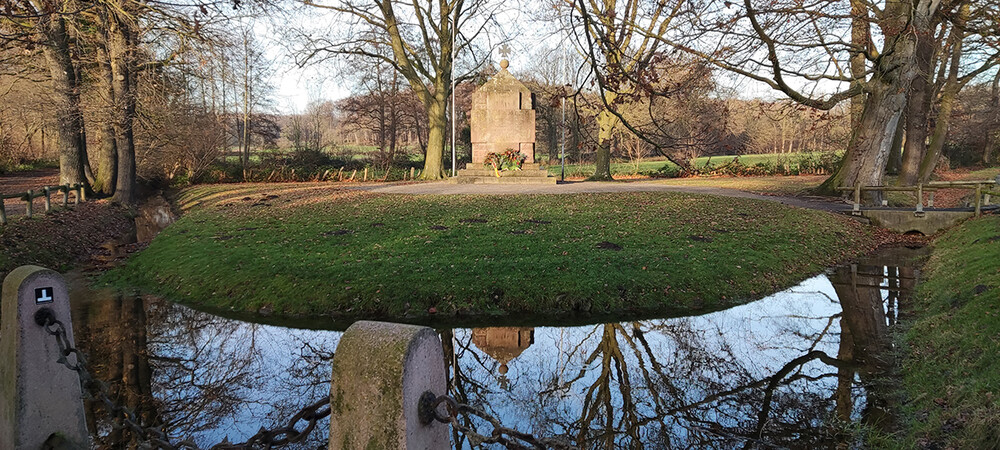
point(952, 369)
point(298, 250)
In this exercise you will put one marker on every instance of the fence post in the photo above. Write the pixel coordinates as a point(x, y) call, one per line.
point(412, 170)
point(83, 193)
point(920, 197)
point(41, 401)
point(366, 174)
point(857, 200)
point(380, 371)
point(30, 198)
point(979, 199)
point(3, 212)
point(65, 193)
point(48, 199)
point(930, 199)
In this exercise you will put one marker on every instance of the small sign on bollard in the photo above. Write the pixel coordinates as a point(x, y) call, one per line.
point(40, 399)
point(43, 295)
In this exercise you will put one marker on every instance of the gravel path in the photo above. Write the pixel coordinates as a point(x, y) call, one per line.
point(445, 188)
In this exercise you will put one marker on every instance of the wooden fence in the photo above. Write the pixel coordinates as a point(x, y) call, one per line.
point(31, 195)
point(984, 189)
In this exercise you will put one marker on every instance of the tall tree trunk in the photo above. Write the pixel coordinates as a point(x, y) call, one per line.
point(868, 151)
point(991, 132)
point(896, 151)
point(606, 122)
point(861, 40)
point(107, 152)
point(437, 121)
point(867, 155)
point(934, 149)
point(918, 108)
point(948, 96)
point(70, 138)
point(121, 49)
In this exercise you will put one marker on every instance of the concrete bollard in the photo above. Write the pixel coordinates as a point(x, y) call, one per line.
point(380, 370)
point(40, 399)
point(48, 200)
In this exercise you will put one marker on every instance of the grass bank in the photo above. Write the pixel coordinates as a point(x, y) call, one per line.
point(312, 249)
point(952, 369)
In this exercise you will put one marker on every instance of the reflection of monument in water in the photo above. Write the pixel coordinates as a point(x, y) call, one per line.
point(503, 344)
point(503, 118)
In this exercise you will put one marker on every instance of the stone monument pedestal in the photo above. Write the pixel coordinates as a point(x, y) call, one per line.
point(503, 118)
point(530, 173)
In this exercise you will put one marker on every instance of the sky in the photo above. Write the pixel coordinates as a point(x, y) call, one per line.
point(295, 87)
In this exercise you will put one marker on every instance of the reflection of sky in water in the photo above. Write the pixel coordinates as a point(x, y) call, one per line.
point(220, 377)
point(698, 356)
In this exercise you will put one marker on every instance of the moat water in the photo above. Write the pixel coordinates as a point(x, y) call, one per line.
point(803, 368)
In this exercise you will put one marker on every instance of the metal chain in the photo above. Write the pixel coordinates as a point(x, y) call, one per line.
point(287, 434)
point(155, 438)
point(510, 438)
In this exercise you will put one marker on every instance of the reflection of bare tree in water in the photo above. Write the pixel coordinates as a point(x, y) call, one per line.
point(114, 330)
point(203, 364)
point(205, 371)
point(865, 336)
point(689, 388)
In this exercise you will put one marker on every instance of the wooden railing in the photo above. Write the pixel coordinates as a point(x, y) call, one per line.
point(984, 190)
point(31, 195)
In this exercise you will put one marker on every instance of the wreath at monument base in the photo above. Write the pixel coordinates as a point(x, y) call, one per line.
point(508, 160)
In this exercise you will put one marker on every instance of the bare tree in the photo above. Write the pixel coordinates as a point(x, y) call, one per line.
point(419, 41)
point(792, 47)
point(43, 23)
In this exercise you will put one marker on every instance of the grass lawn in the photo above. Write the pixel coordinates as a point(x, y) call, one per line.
point(311, 249)
point(952, 369)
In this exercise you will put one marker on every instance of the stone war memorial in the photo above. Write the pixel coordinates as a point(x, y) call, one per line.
point(503, 134)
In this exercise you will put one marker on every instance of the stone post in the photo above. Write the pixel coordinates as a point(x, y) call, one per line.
point(40, 399)
point(30, 198)
point(380, 371)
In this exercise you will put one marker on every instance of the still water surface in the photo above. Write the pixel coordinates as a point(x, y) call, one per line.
point(796, 369)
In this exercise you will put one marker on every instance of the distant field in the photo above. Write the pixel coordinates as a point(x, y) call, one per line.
point(654, 165)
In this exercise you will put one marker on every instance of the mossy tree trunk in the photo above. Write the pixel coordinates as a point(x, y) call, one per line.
point(106, 176)
point(70, 139)
point(121, 45)
point(867, 155)
point(917, 111)
point(949, 93)
point(868, 150)
point(437, 121)
point(606, 121)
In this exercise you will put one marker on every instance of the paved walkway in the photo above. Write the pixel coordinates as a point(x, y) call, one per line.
point(577, 187)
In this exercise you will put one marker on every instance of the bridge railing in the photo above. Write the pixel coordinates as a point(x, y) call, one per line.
point(30, 196)
point(984, 189)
